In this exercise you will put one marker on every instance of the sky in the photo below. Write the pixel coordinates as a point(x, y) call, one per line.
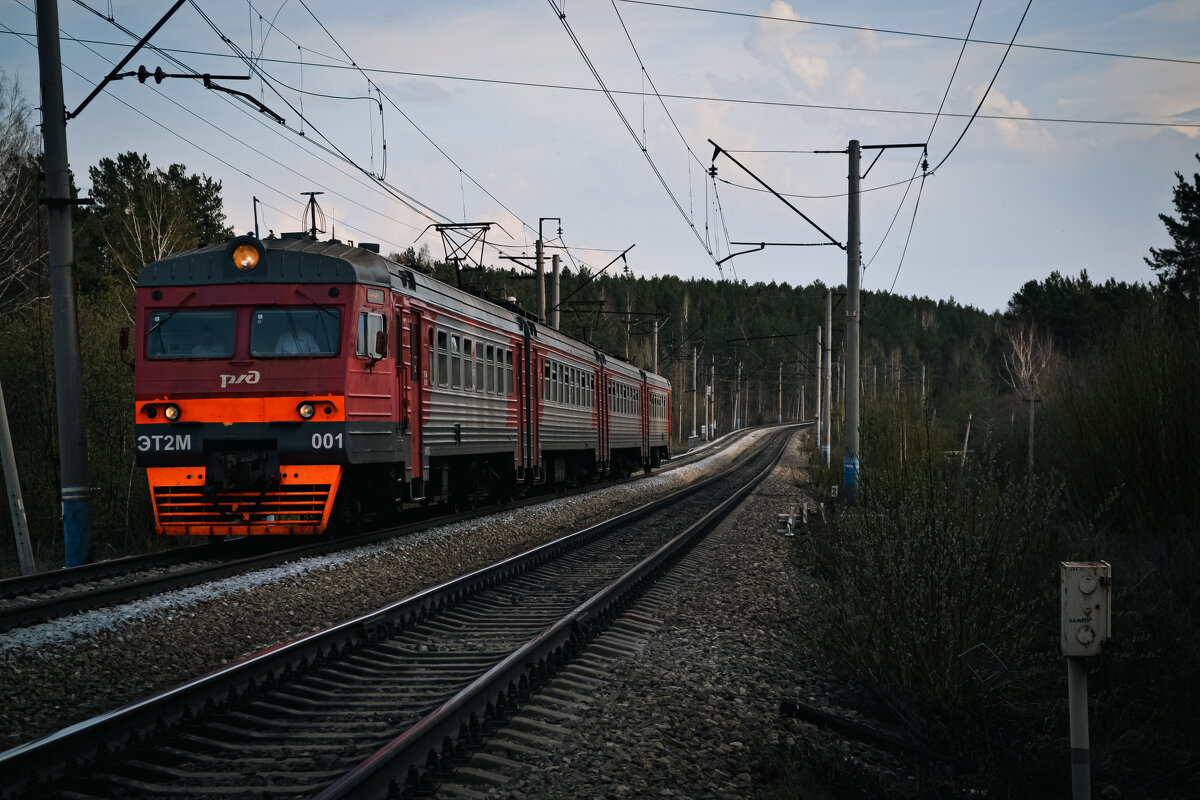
point(601, 118)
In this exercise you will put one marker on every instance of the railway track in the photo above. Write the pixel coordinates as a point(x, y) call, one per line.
point(384, 705)
point(36, 598)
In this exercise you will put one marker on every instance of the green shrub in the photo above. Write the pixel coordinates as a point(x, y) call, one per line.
point(1124, 425)
point(937, 557)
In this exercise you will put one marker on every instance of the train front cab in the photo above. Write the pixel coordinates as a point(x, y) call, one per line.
point(256, 389)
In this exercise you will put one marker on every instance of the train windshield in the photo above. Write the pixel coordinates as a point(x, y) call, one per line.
point(190, 334)
point(286, 332)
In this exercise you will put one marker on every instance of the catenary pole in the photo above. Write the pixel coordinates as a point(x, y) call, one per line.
point(849, 380)
point(539, 253)
point(555, 265)
point(68, 371)
point(819, 415)
point(712, 395)
point(653, 342)
point(541, 276)
point(850, 463)
point(827, 380)
point(695, 391)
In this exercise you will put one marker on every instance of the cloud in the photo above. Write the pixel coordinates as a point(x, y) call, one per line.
point(419, 90)
point(1190, 117)
point(865, 40)
point(855, 81)
point(778, 45)
point(1169, 11)
point(1027, 137)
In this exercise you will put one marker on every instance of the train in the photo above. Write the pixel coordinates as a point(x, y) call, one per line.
point(289, 385)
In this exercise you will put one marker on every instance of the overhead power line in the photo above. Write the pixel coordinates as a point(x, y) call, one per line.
point(669, 96)
point(562, 18)
point(988, 90)
point(301, 143)
point(915, 34)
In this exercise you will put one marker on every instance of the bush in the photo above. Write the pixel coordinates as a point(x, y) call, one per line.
point(940, 555)
point(1124, 424)
point(936, 558)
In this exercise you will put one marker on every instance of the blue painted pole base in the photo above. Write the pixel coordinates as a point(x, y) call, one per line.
point(77, 532)
point(850, 477)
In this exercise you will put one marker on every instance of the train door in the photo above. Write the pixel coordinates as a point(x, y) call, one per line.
point(599, 406)
point(605, 400)
point(527, 397)
point(412, 370)
point(644, 418)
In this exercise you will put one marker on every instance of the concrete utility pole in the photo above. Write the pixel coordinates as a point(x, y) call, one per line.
point(827, 379)
point(653, 338)
point(555, 263)
point(541, 268)
point(712, 396)
point(695, 391)
point(68, 370)
point(853, 274)
point(780, 392)
point(819, 415)
point(850, 446)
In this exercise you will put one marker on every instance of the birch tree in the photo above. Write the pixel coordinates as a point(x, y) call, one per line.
point(20, 259)
point(142, 214)
point(1027, 359)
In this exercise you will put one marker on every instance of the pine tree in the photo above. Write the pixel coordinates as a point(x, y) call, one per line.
point(1178, 268)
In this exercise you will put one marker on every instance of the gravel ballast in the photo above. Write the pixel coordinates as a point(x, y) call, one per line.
point(695, 714)
point(67, 670)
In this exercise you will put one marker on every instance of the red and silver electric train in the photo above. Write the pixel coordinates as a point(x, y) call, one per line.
point(276, 378)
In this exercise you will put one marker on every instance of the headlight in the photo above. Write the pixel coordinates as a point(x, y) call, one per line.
point(306, 410)
point(171, 412)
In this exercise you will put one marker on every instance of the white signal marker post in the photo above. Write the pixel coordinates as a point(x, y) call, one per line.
point(1086, 626)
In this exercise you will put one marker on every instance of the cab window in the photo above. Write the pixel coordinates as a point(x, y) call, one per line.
point(189, 334)
point(370, 325)
point(290, 332)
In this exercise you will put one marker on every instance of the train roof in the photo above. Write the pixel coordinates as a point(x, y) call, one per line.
point(286, 261)
point(306, 260)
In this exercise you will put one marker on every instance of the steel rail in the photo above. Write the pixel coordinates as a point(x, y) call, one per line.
point(27, 766)
point(410, 763)
point(22, 614)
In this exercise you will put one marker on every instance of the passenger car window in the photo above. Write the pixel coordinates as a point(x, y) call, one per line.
point(468, 365)
point(455, 362)
point(480, 383)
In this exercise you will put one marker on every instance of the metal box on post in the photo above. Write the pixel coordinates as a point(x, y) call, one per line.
point(1086, 606)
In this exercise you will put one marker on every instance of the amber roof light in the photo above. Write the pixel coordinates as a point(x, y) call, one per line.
point(245, 252)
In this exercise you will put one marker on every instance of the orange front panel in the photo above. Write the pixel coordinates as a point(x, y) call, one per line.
point(300, 504)
point(329, 408)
